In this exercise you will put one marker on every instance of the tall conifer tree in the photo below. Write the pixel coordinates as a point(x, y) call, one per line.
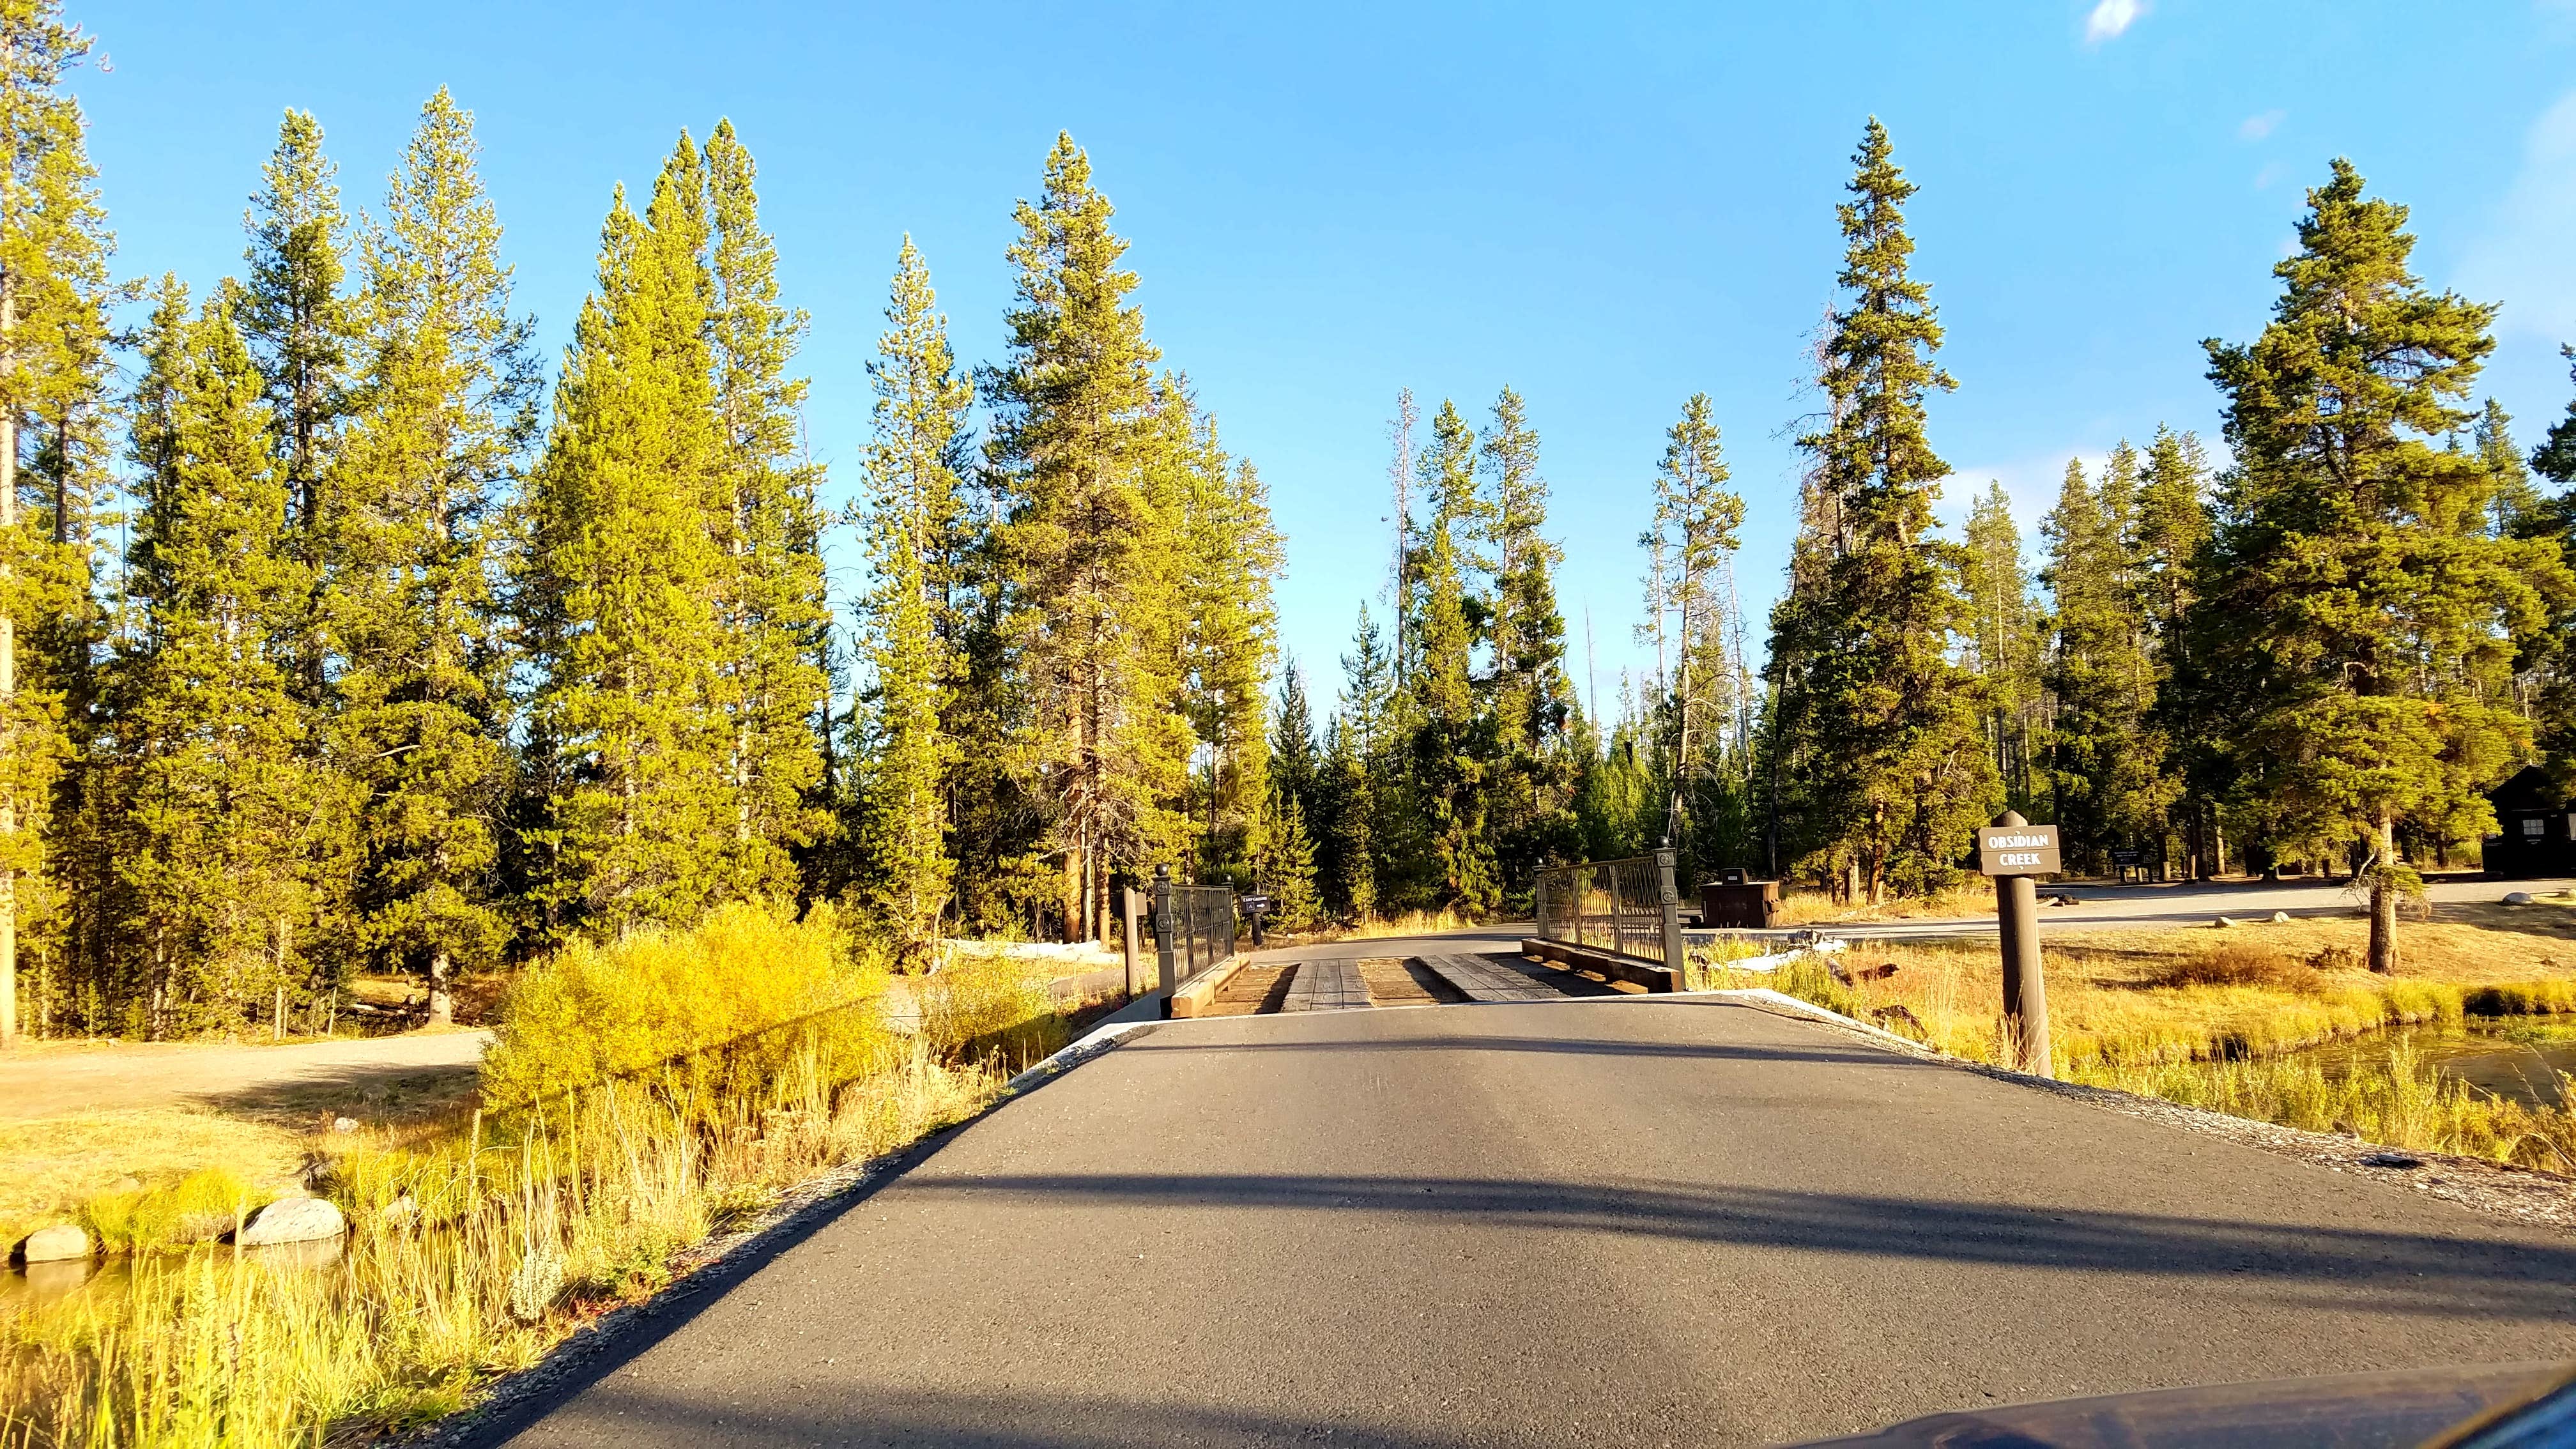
point(770, 602)
point(1531, 702)
point(1074, 439)
point(1905, 774)
point(621, 582)
point(1453, 737)
point(2105, 759)
point(2004, 639)
point(2353, 605)
point(54, 294)
point(214, 796)
point(909, 635)
point(444, 411)
point(1695, 522)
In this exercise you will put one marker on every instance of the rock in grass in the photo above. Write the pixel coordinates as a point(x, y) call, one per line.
point(59, 1243)
point(2280, 918)
point(2224, 922)
point(2517, 898)
point(293, 1220)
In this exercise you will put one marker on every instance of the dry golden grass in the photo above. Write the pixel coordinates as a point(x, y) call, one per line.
point(1804, 906)
point(1375, 928)
point(2206, 1017)
point(50, 1168)
point(621, 1129)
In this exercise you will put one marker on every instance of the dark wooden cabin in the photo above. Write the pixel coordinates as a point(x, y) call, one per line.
point(2535, 829)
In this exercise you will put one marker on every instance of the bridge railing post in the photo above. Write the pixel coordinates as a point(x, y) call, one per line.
point(1676, 950)
point(1165, 976)
point(1127, 919)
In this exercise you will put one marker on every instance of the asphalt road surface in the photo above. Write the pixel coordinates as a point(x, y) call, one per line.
point(1638, 1220)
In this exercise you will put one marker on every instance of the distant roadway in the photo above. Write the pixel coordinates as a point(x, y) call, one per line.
point(1634, 1220)
point(2193, 903)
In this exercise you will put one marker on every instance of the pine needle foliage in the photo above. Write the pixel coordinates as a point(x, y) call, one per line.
point(2353, 604)
point(1894, 795)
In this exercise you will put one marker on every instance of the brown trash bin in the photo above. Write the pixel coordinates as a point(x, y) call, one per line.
point(1733, 903)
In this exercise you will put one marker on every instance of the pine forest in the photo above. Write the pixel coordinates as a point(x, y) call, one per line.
point(347, 628)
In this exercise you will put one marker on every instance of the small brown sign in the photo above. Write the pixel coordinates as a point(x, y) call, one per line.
point(2017, 849)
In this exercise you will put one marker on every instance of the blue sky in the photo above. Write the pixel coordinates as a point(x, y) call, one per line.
point(1608, 209)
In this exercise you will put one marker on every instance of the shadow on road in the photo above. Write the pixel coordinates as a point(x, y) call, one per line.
point(1006, 1421)
point(2407, 1272)
point(1546, 1045)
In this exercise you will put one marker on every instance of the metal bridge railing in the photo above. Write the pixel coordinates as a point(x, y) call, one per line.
point(1194, 929)
point(1627, 907)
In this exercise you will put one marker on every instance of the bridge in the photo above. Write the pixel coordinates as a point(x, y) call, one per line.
point(1443, 1192)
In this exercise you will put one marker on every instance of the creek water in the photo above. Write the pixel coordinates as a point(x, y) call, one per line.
point(2516, 1058)
point(30, 1285)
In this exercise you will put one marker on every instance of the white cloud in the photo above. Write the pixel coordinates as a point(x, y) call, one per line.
point(2255, 128)
point(2523, 259)
point(2110, 18)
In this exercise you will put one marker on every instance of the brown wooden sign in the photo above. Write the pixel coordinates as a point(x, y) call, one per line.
point(2017, 849)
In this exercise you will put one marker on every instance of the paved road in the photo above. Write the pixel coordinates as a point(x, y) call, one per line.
point(1641, 1220)
point(51, 1081)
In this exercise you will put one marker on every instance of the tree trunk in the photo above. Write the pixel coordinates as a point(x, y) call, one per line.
point(442, 1008)
point(8, 682)
point(2383, 897)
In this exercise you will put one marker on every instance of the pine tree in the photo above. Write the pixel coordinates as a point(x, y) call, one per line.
point(1895, 794)
point(54, 299)
point(1228, 558)
point(2352, 602)
point(2172, 529)
point(1453, 738)
point(1695, 522)
point(1346, 863)
point(2555, 458)
point(621, 580)
point(770, 603)
point(909, 633)
point(1530, 701)
point(2516, 510)
point(213, 795)
point(441, 419)
point(1286, 867)
point(299, 326)
point(2105, 759)
point(1380, 826)
point(1296, 762)
point(2004, 644)
point(1074, 440)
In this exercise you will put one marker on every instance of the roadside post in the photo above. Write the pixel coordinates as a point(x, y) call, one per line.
point(1256, 907)
point(1164, 980)
point(2014, 853)
point(1676, 951)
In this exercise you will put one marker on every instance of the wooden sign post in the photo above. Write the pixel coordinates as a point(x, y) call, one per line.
point(2014, 851)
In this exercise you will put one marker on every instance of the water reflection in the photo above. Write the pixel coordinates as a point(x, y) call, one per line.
point(33, 1285)
point(2518, 1059)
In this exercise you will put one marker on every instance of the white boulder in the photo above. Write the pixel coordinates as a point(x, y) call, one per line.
point(2517, 898)
point(59, 1243)
point(293, 1220)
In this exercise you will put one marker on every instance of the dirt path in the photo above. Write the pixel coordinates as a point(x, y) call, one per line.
point(54, 1081)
